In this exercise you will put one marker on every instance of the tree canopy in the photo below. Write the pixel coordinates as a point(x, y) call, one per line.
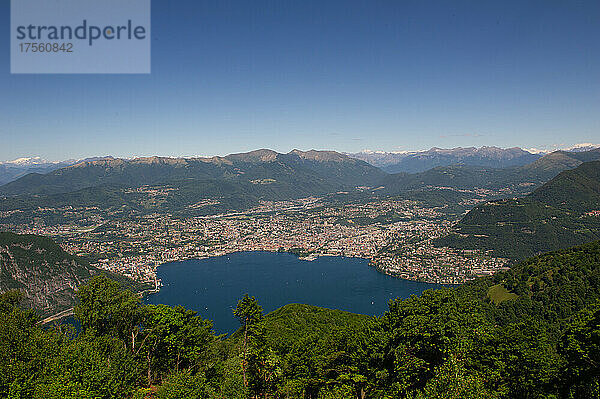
point(539, 339)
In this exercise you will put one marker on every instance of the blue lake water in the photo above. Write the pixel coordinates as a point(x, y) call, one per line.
point(213, 286)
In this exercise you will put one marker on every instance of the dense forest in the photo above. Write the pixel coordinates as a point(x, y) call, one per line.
point(530, 332)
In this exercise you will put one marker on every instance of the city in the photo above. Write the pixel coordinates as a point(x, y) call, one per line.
point(395, 235)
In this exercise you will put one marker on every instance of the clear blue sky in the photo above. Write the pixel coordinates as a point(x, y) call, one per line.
point(342, 75)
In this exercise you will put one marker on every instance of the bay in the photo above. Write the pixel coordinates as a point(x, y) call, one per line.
point(213, 286)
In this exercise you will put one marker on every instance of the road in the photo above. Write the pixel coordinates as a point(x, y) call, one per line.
point(58, 316)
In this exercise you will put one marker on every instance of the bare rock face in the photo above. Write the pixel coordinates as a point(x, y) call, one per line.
point(41, 270)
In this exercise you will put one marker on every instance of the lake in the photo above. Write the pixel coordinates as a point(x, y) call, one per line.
point(213, 286)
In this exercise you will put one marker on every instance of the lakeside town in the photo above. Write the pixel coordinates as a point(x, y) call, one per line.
point(395, 235)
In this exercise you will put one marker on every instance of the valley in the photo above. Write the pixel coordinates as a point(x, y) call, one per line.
point(129, 217)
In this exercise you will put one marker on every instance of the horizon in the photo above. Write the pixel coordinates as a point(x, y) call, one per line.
point(42, 159)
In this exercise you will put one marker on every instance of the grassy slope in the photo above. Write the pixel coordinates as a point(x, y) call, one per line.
point(498, 294)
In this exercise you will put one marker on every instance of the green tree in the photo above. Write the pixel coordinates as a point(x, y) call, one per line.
point(248, 312)
point(263, 363)
point(25, 349)
point(580, 345)
point(105, 308)
point(98, 366)
point(175, 339)
point(420, 333)
point(519, 360)
point(453, 380)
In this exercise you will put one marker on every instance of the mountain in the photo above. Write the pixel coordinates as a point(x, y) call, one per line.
point(558, 161)
point(44, 272)
point(38, 267)
point(26, 161)
point(573, 190)
point(177, 185)
point(561, 213)
point(12, 170)
point(415, 162)
point(583, 147)
point(381, 159)
point(309, 172)
point(517, 180)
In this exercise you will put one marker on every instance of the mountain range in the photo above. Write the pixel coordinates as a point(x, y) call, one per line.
point(177, 185)
point(517, 180)
point(415, 162)
point(300, 172)
point(240, 181)
point(390, 162)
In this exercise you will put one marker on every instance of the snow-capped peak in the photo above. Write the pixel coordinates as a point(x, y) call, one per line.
point(583, 147)
point(537, 150)
point(26, 161)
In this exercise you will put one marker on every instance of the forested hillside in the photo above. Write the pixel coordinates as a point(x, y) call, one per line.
point(562, 213)
point(45, 274)
point(520, 180)
point(312, 171)
point(179, 185)
point(530, 332)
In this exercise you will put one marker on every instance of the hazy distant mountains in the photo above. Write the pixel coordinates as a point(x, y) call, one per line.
point(583, 147)
point(520, 179)
point(414, 162)
point(12, 170)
